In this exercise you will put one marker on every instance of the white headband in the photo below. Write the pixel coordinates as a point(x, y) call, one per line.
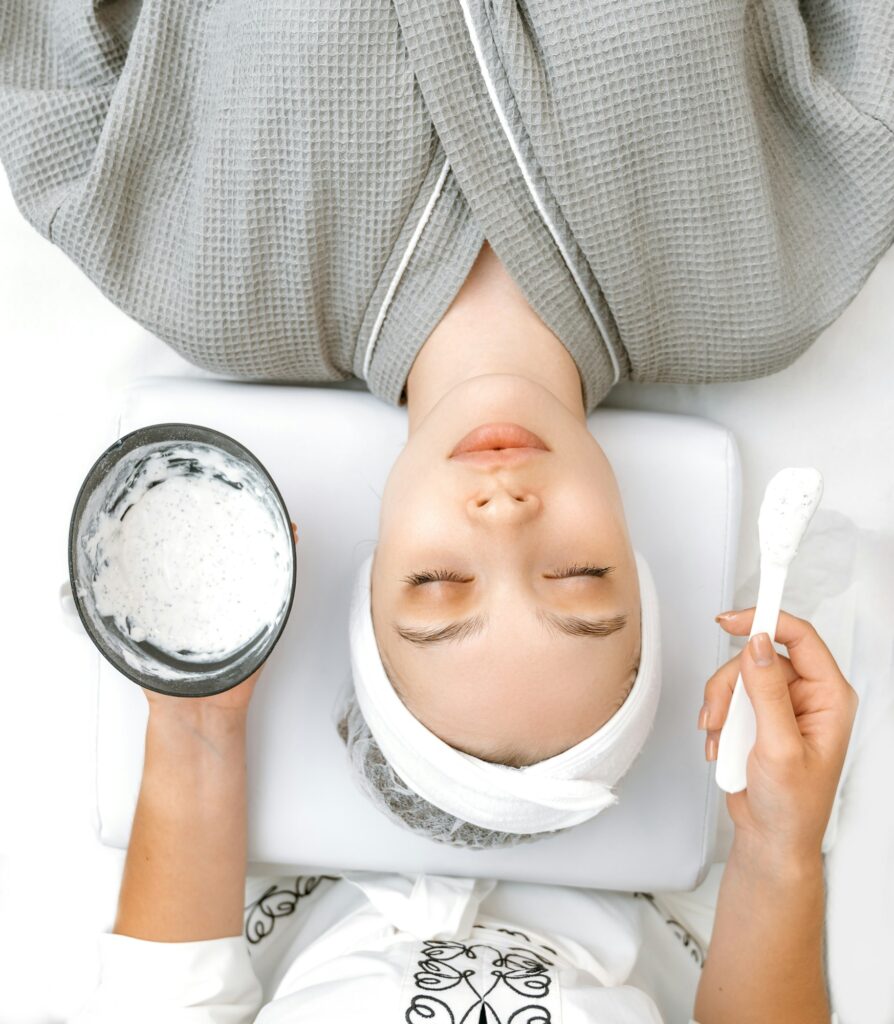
point(556, 793)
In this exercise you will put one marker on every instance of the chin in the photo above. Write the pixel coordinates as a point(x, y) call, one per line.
point(505, 396)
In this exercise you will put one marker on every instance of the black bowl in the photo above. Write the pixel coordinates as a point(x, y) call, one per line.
point(104, 488)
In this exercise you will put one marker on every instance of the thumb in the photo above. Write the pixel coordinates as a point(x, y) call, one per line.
point(766, 683)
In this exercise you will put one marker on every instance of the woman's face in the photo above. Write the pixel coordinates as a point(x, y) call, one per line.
point(532, 641)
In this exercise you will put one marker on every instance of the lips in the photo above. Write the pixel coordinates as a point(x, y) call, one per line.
point(496, 438)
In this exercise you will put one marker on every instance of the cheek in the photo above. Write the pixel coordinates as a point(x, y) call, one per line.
point(593, 475)
point(400, 491)
point(594, 514)
point(418, 507)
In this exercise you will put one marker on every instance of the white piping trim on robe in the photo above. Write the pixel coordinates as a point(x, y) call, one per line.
point(392, 288)
point(476, 44)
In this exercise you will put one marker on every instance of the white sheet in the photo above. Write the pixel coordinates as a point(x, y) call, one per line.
point(66, 347)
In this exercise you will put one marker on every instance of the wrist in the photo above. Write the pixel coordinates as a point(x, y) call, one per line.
point(771, 863)
point(195, 711)
point(190, 725)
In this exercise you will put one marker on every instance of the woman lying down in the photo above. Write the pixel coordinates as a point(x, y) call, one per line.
point(307, 193)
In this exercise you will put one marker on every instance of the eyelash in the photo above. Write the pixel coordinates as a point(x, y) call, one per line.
point(582, 570)
point(417, 579)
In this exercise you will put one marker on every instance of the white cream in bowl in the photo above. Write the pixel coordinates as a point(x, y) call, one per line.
point(187, 554)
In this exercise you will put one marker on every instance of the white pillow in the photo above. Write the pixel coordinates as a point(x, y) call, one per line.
point(330, 451)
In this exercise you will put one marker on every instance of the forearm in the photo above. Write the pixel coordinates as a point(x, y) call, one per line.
point(765, 961)
point(184, 876)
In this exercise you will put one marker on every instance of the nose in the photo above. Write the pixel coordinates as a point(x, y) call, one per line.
point(504, 504)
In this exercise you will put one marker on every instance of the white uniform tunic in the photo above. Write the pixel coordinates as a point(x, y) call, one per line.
point(385, 949)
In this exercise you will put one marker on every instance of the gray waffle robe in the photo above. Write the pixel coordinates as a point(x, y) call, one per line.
point(296, 189)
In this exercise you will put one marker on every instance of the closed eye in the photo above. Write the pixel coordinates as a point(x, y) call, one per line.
point(416, 579)
point(580, 570)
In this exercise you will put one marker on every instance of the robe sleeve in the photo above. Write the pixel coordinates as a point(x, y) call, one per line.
point(60, 61)
point(142, 982)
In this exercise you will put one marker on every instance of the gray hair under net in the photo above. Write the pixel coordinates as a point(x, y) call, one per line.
point(396, 800)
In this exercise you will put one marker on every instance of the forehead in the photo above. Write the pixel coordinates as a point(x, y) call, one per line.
point(516, 686)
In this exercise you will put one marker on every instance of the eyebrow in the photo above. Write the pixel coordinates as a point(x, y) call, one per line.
point(573, 625)
point(459, 630)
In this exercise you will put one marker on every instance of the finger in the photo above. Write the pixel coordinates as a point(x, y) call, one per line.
point(810, 656)
point(719, 691)
point(718, 694)
point(295, 532)
point(766, 683)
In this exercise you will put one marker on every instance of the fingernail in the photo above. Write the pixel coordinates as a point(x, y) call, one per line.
point(725, 616)
point(761, 649)
point(711, 749)
point(703, 716)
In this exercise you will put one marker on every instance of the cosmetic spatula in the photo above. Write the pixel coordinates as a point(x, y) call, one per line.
point(790, 500)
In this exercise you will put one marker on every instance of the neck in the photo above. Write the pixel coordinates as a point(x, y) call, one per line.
point(490, 328)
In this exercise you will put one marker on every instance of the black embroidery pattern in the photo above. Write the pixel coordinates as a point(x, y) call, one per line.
point(275, 902)
point(515, 934)
point(680, 933)
point(477, 971)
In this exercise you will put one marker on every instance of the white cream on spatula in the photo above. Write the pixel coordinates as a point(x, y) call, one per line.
point(791, 498)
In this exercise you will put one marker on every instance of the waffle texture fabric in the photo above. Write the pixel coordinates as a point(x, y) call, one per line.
point(295, 190)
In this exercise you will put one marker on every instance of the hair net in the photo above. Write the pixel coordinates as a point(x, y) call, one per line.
point(392, 796)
